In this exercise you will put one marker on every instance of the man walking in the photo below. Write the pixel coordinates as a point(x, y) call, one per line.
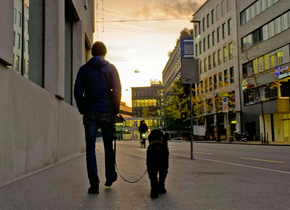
point(98, 93)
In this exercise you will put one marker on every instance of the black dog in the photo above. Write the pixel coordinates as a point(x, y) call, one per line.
point(157, 161)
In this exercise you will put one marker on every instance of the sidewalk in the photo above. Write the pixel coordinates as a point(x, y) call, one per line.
point(273, 143)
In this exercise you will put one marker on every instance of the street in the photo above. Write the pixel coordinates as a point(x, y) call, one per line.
point(221, 176)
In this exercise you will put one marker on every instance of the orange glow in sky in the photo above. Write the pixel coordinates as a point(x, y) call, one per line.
point(141, 45)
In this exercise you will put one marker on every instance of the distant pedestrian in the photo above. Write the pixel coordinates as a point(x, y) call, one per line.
point(97, 93)
point(143, 128)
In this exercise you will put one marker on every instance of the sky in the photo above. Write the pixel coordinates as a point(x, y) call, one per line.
point(141, 45)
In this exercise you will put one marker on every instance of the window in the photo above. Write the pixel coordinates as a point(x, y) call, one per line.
point(18, 41)
point(196, 50)
point(205, 65)
point(253, 11)
point(255, 66)
point(232, 75)
point(212, 16)
point(220, 79)
point(267, 61)
point(285, 21)
point(230, 26)
point(210, 84)
point(204, 47)
point(280, 58)
point(284, 89)
point(265, 31)
point(224, 30)
point(19, 19)
point(270, 3)
point(218, 9)
point(209, 62)
point(219, 57)
point(229, 5)
point(226, 77)
point(230, 51)
point(213, 36)
point(205, 85)
point(16, 65)
point(264, 5)
point(203, 24)
point(243, 18)
point(223, 8)
point(278, 25)
point(200, 48)
point(201, 67)
point(218, 34)
point(195, 30)
point(208, 41)
point(207, 20)
point(214, 59)
point(271, 29)
point(258, 7)
point(224, 54)
point(215, 82)
point(273, 61)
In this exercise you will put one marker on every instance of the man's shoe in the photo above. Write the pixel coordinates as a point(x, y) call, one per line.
point(109, 182)
point(93, 190)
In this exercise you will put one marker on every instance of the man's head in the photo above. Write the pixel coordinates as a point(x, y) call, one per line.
point(99, 49)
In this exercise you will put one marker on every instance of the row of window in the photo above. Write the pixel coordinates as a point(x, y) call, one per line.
point(17, 42)
point(267, 31)
point(255, 9)
point(211, 105)
point(145, 103)
point(146, 93)
point(267, 92)
point(214, 37)
point(217, 81)
point(262, 63)
point(215, 14)
point(216, 58)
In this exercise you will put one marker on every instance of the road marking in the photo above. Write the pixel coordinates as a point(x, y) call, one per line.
point(136, 155)
point(270, 161)
point(236, 164)
point(202, 153)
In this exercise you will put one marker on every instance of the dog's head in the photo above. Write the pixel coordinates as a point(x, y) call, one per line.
point(155, 135)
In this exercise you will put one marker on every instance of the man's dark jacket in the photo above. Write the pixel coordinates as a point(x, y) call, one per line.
point(98, 87)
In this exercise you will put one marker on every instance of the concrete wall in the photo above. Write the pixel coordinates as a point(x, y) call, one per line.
point(37, 129)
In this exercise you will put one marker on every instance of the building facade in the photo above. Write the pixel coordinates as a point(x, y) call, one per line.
point(172, 70)
point(43, 44)
point(264, 28)
point(216, 47)
point(146, 104)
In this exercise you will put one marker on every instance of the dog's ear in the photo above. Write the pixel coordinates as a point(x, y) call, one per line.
point(166, 137)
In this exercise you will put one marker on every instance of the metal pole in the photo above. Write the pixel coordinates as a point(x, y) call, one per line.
point(191, 126)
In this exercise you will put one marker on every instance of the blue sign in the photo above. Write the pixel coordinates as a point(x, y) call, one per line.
point(225, 99)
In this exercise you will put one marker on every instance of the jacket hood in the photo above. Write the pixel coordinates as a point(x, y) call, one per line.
point(97, 62)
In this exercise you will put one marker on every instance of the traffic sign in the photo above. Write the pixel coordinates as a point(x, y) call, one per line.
point(225, 100)
point(225, 108)
point(223, 94)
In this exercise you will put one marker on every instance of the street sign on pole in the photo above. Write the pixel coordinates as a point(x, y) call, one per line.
point(225, 100)
point(225, 107)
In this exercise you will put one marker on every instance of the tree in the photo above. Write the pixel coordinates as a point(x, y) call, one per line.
point(177, 104)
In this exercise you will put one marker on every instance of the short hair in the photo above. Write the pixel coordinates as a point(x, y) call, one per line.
point(99, 49)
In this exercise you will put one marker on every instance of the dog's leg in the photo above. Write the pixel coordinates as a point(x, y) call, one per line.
point(161, 184)
point(154, 183)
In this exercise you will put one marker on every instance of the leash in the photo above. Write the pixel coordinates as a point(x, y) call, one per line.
point(115, 151)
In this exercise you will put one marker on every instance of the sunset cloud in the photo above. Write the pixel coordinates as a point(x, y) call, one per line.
point(168, 8)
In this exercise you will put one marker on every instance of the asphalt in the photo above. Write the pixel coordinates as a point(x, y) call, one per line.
point(191, 184)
